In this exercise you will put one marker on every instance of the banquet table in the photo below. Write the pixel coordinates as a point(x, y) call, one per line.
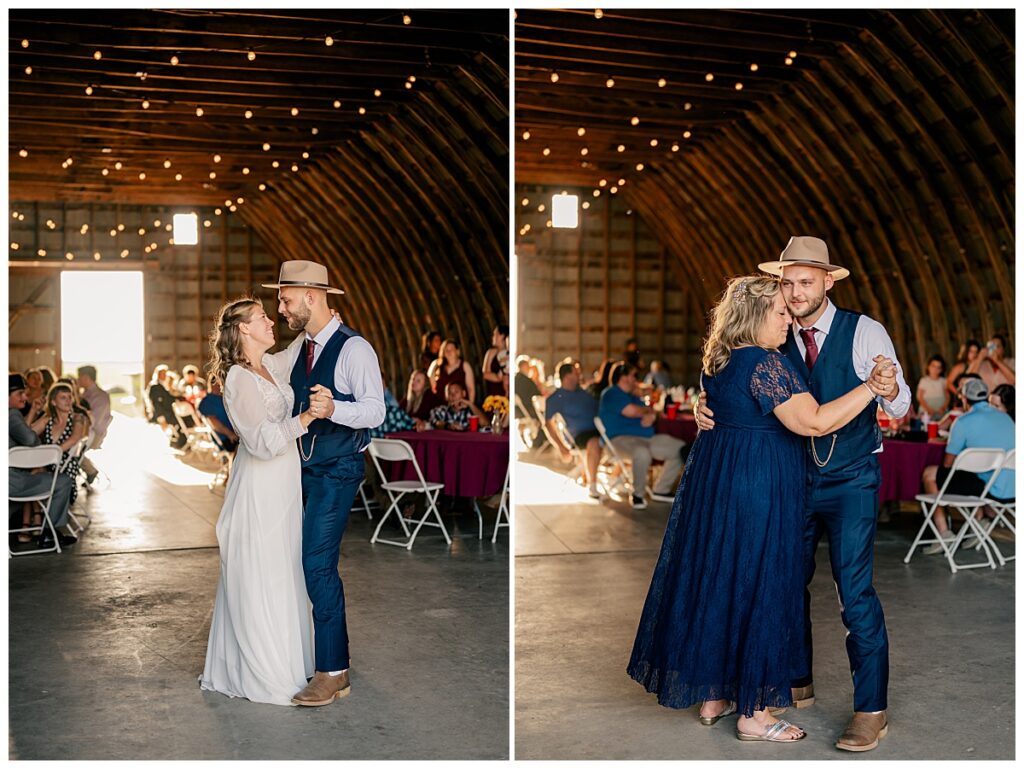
point(902, 463)
point(468, 464)
point(683, 427)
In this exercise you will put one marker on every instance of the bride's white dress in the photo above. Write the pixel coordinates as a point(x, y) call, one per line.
point(261, 636)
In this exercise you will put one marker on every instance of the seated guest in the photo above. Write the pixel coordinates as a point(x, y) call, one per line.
point(161, 398)
point(79, 406)
point(191, 387)
point(630, 427)
point(430, 348)
point(419, 399)
point(98, 402)
point(578, 409)
point(27, 482)
point(603, 378)
point(62, 426)
point(450, 367)
point(395, 418)
point(526, 388)
point(455, 414)
point(1002, 399)
point(993, 363)
point(981, 427)
point(212, 407)
point(931, 390)
point(34, 392)
point(495, 367)
point(660, 376)
point(967, 355)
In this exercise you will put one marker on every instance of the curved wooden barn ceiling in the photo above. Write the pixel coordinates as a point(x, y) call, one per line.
point(889, 134)
point(387, 154)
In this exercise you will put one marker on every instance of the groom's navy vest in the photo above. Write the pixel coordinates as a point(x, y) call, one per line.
point(333, 441)
point(834, 376)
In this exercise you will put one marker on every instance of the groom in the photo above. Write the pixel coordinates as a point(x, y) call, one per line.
point(335, 372)
point(835, 350)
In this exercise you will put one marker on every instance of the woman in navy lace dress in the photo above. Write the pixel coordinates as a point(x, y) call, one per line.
point(725, 601)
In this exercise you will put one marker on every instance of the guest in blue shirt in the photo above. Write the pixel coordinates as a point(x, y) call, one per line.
point(212, 407)
point(578, 408)
point(981, 427)
point(630, 427)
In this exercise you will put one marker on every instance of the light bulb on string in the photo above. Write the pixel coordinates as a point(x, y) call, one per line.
point(328, 41)
point(581, 131)
point(23, 152)
point(337, 104)
point(610, 82)
point(174, 61)
point(406, 19)
point(295, 111)
point(88, 90)
point(118, 165)
point(177, 177)
point(97, 55)
point(554, 77)
point(167, 164)
point(526, 136)
point(216, 158)
point(199, 111)
point(28, 70)
point(248, 114)
point(24, 43)
point(251, 55)
point(145, 104)
point(634, 120)
point(662, 82)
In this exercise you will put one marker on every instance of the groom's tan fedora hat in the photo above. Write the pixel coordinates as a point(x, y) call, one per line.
point(807, 251)
point(302, 274)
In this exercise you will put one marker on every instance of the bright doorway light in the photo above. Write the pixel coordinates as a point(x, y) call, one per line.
point(565, 211)
point(186, 229)
point(102, 324)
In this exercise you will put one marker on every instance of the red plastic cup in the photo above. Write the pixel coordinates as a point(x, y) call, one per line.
point(474, 424)
point(933, 430)
point(883, 422)
point(671, 410)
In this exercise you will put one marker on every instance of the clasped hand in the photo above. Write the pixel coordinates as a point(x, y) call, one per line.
point(321, 402)
point(882, 380)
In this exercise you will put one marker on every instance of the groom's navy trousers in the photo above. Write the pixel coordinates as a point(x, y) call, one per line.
point(844, 504)
point(327, 497)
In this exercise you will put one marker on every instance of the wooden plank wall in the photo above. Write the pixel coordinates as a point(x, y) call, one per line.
point(583, 292)
point(185, 286)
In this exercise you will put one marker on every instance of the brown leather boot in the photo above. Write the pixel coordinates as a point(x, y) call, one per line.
point(863, 732)
point(803, 696)
point(323, 690)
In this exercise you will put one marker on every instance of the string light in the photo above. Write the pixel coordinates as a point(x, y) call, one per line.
point(328, 41)
point(597, 193)
point(686, 134)
point(216, 212)
point(251, 55)
point(598, 13)
point(621, 148)
point(337, 104)
point(662, 82)
point(124, 253)
point(753, 68)
point(245, 171)
point(69, 256)
point(28, 70)
point(174, 61)
point(709, 77)
point(675, 148)
point(739, 86)
point(216, 158)
point(305, 156)
point(362, 110)
point(41, 252)
point(113, 233)
point(88, 90)
point(248, 114)
point(584, 151)
point(177, 177)
point(69, 161)
point(97, 256)
point(314, 130)
point(167, 164)
point(105, 171)
point(788, 62)
point(634, 120)
point(687, 106)
point(120, 228)
point(554, 77)
point(199, 111)
point(266, 146)
point(526, 136)
point(213, 174)
point(546, 151)
point(295, 168)
point(581, 131)
point(142, 175)
point(262, 187)
point(275, 164)
point(654, 142)
point(585, 205)
point(295, 111)
point(412, 78)
point(526, 201)
point(145, 104)
point(639, 166)
point(603, 183)
point(540, 208)
point(408, 85)
point(610, 82)
point(169, 227)
point(98, 55)
point(792, 54)
point(23, 152)
point(24, 43)
point(207, 222)
point(142, 230)
point(406, 19)
point(241, 200)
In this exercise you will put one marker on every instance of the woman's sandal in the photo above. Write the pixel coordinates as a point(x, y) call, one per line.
point(712, 720)
point(772, 734)
point(25, 537)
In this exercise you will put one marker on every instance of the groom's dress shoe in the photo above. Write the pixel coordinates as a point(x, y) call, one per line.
point(803, 696)
point(323, 690)
point(863, 732)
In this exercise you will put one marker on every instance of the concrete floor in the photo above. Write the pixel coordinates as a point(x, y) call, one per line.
point(106, 640)
point(582, 572)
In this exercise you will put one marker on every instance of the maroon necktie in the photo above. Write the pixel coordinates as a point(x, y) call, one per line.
point(812, 347)
point(311, 345)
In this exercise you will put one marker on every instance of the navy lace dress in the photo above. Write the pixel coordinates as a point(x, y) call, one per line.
point(725, 604)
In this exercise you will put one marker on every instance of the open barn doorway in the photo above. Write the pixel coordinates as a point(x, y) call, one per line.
point(102, 324)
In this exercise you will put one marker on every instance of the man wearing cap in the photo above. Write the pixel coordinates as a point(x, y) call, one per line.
point(981, 427)
point(835, 350)
point(23, 483)
point(335, 372)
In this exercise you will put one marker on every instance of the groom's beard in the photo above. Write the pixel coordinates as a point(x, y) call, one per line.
point(297, 320)
point(812, 305)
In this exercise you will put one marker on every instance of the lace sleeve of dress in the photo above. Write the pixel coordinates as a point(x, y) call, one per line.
point(262, 437)
point(774, 381)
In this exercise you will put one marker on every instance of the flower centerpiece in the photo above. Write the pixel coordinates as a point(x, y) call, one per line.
point(497, 407)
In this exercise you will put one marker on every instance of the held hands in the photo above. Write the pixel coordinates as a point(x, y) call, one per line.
point(882, 380)
point(702, 413)
point(321, 402)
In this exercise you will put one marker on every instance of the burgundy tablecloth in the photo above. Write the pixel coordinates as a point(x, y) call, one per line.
point(683, 427)
point(902, 463)
point(468, 464)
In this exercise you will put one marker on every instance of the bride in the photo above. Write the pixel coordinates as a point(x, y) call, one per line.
point(261, 636)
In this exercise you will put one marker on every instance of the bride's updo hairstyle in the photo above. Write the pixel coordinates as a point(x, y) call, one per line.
point(226, 339)
point(737, 318)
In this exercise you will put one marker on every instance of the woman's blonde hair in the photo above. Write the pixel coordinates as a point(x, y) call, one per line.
point(413, 401)
point(56, 389)
point(737, 318)
point(226, 339)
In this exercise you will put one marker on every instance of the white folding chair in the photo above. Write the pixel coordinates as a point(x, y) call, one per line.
point(392, 450)
point(528, 427)
point(75, 526)
point(624, 480)
point(1002, 508)
point(540, 405)
point(32, 458)
point(199, 434)
point(502, 509)
point(579, 461)
point(364, 504)
point(972, 461)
